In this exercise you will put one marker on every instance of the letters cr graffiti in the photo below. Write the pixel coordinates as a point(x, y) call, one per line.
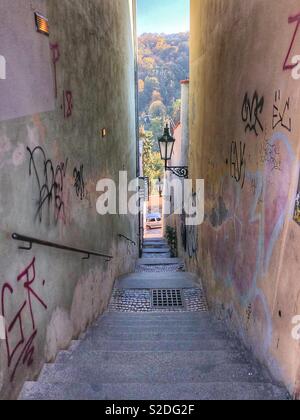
point(19, 334)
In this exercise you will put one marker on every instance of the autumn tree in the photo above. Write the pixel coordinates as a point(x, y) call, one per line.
point(157, 110)
point(152, 163)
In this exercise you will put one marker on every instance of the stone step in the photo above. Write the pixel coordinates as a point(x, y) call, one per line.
point(159, 261)
point(158, 280)
point(93, 342)
point(170, 358)
point(155, 241)
point(152, 255)
point(160, 372)
point(156, 250)
point(153, 316)
point(157, 346)
point(169, 321)
point(213, 391)
point(152, 336)
point(156, 324)
point(157, 246)
point(116, 330)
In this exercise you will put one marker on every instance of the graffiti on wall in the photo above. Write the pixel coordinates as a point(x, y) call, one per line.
point(254, 215)
point(49, 183)
point(251, 112)
point(297, 205)
point(270, 154)
point(55, 59)
point(192, 241)
point(237, 162)
point(291, 61)
point(79, 183)
point(67, 95)
point(67, 103)
point(281, 113)
point(21, 329)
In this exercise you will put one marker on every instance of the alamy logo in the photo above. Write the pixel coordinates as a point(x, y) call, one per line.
point(2, 68)
point(2, 328)
point(124, 198)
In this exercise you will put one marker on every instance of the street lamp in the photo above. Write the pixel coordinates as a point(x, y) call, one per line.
point(166, 146)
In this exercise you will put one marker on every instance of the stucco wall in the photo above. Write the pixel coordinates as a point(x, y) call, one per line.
point(179, 158)
point(55, 101)
point(245, 131)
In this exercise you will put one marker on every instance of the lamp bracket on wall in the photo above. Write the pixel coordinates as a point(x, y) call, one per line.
point(180, 171)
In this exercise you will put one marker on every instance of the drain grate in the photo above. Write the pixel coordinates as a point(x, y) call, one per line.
point(167, 298)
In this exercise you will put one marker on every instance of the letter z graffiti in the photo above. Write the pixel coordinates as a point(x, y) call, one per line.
point(292, 62)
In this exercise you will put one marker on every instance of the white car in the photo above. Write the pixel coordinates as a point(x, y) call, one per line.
point(154, 221)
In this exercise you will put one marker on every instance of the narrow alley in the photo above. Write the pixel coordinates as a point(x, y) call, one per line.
point(158, 344)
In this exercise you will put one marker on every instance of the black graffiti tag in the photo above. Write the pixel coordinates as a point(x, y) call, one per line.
point(281, 114)
point(238, 162)
point(50, 183)
point(251, 111)
point(79, 183)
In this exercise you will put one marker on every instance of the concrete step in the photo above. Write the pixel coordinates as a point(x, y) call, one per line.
point(213, 391)
point(156, 246)
point(152, 255)
point(160, 372)
point(154, 241)
point(168, 318)
point(161, 245)
point(157, 346)
point(152, 336)
point(154, 316)
point(159, 261)
point(170, 358)
point(158, 281)
point(156, 250)
point(116, 330)
point(155, 324)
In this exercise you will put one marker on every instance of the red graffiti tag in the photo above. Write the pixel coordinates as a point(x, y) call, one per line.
point(19, 344)
point(292, 19)
point(55, 58)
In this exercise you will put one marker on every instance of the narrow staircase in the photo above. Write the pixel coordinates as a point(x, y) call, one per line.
point(157, 341)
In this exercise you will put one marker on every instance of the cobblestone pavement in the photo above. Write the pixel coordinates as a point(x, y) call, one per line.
point(139, 300)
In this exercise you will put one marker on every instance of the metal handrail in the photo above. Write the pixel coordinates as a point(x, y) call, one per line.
point(36, 241)
point(127, 239)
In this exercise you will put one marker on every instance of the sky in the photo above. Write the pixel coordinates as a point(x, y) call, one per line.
point(163, 16)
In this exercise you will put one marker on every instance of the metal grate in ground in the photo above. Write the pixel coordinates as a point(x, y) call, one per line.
point(167, 298)
point(141, 301)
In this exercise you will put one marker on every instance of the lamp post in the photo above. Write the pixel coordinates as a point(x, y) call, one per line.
point(166, 146)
